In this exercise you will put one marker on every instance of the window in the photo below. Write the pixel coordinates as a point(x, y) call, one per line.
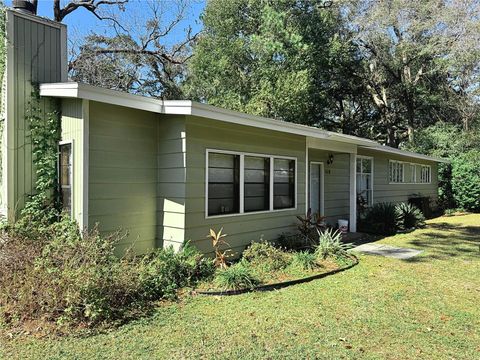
point(223, 184)
point(284, 184)
point(425, 174)
point(412, 173)
point(65, 175)
point(257, 183)
point(239, 183)
point(365, 179)
point(396, 172)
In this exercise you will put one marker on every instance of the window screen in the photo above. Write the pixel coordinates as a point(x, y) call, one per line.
point(223, 184)
point(284, 184)
point(257, 183)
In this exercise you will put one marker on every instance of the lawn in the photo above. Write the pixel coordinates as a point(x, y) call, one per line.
point(425, 308)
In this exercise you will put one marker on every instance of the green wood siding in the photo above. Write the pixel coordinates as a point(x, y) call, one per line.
point(337, 184)
point(205, 134)
point(172, 174)
point(73, 131)
point(34, 56)
point(383, 191)
point(123, 173)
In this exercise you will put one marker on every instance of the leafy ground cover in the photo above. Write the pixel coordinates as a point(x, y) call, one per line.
point(383, 308)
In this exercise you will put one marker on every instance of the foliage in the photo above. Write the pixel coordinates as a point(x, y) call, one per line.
point(466, 180)
point(305, 260)
point(62, 276)
point(237, 276)
point(330, 244)
point(409, 216)
point(218, 242)
point(293, 241)
point(381, 218)
point(266, 255)
point(310, 225)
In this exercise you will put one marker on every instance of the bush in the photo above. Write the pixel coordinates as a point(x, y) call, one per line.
point(466, 180)
point(61, 276)
point(266, 255)
point(305, 260)
point(409, 217)
point(330, 245)
point(380, 219)
point(238, 276)
point(293, 241)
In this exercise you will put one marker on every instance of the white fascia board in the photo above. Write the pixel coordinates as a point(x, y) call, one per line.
point(390, 150)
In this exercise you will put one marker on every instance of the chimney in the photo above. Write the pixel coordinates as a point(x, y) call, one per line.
point(24, 6)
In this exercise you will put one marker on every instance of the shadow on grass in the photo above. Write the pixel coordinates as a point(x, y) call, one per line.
point(442, 241)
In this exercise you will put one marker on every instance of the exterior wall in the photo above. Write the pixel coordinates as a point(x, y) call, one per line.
point(385, 192)
point(35, 54)
point(172, 174)
point(337, 184)
point(73, 130)
point(242, 229)
point(123, 174)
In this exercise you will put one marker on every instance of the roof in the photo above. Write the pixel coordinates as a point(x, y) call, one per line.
point(188, 107)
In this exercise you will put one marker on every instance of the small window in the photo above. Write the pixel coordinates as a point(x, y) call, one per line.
point(425, 174)
point(396, 172)
point(256, 183)
point(364, 179)
point(65, 175)
point(412, 173)
point(284, 184)
point(223, 184)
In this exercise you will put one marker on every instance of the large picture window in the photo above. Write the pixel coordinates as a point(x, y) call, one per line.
point(365, 179)
point(239, 183)
point(223, 184)
point(65, 175)
point(401, 172)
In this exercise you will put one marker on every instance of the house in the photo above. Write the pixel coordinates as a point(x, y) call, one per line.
point(167, 171)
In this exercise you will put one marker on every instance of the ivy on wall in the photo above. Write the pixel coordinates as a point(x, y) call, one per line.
point(3, 58)
point(43, 205)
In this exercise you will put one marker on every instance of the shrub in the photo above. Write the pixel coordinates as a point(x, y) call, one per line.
point(305, 260)
point(235, 277)
point(309, 226)
point(289, 241)
point(266, 255)
point(466, 180)
point(330, 245)
point(61, 276)
point(409, 216)
point(380, 219)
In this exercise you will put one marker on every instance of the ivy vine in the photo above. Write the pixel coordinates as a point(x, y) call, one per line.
point(3, 58)
point(43, 206)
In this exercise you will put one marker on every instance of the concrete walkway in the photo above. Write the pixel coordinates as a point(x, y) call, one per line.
point(387, 251)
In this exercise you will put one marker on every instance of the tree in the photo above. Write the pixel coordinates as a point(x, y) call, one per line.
point(268, 58)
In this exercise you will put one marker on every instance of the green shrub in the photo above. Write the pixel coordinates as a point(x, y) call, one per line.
point(305, 260)
point(330, 245)
point(466, 180)
point(380, 219)
point(409, 217)
point(58, 275)
point(266, 255)
point(297, 241)
point(235, 277)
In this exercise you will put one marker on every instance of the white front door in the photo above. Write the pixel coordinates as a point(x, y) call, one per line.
point(316, 188)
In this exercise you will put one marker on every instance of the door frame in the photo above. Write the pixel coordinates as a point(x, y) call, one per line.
point(322, 186)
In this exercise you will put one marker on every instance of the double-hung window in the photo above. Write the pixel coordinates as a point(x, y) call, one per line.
point(396, 171)
point(365, 179)
point(239, 183)
point(65, 163)
point(425, 174)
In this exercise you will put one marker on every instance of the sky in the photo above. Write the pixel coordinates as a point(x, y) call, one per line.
point(81, 22)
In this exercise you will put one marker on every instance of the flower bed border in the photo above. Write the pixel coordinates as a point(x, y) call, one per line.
point(279, 285)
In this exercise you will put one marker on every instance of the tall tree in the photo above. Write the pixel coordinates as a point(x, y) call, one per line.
point(269, 58)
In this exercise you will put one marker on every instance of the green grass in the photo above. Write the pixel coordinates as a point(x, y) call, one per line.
point(425, 308)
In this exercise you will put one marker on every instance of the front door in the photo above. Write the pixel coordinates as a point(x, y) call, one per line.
point(316, 188)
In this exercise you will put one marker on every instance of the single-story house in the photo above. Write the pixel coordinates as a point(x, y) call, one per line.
point(167, 171)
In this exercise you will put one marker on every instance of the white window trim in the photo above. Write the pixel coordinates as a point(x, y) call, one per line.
point(417, 178)
point(242, 182)
point(372, 174)
point(72, 195)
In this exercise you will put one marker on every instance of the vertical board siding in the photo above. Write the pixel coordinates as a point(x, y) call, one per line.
point(383, 191)
point(72, 131)
point(172, 173)
point(337, 183)
point(122, 174)
point(242, 229)
point(36, 59)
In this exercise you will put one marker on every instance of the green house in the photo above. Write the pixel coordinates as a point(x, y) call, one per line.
point(167, 171)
